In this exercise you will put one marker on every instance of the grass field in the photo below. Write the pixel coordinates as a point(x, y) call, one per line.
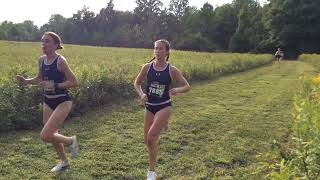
point(24, 55)
point(301, 160)
point(105, 74)
point(312, 59)
point(222, 129)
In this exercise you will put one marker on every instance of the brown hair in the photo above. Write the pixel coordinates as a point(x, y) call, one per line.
point(167, 45)
point(55, 38)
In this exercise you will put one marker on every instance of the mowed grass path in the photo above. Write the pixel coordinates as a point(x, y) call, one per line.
point(221, 129)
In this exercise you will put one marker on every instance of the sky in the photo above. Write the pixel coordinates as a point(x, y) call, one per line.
point(40, 11)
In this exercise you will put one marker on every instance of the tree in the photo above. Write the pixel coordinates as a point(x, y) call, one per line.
point(206, 24)
point(248, 32)
point(224, 26)
point(56, 24)
point(30, 30)
point(106, 18)
point(206, 15)
point(146, 10)
point(147, 16)
point(294, 25)
point(241, 26)
point(178, 8)
point(83, 24)
point(5, 28)
point(25, 31)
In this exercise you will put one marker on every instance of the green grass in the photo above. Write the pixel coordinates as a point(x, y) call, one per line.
point(301, 158)
point(312, 59)
point(104, 74)
point(24, 55)
point(221, 129)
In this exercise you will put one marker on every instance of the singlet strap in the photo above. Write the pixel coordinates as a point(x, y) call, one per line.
point(56, 59)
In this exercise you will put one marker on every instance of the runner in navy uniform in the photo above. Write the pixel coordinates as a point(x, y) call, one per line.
point(158, 83)
point(55, 77)
point(156, 98)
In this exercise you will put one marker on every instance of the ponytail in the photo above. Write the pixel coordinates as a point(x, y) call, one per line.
point(152, 59)
point(167, 59)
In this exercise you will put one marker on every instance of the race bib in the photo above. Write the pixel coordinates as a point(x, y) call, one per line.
point(50, 90)
point(156, 89)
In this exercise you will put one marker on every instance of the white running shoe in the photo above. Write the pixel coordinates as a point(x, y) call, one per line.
point(60, 166)
point(74, 147)
point(152, 175)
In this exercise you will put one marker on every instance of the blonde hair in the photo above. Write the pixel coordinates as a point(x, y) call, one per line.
point(55, 38)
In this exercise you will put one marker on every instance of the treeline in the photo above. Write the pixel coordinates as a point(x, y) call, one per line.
point(241, 26)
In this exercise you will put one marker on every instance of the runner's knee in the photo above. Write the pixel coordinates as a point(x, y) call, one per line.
point(46, 137)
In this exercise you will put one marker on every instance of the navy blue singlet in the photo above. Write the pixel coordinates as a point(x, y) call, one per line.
point(50, 72)
point(158, 84)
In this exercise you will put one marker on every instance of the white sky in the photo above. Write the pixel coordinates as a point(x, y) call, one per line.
point(40, 11)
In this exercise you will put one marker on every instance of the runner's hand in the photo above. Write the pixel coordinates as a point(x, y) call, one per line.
point(21, 80)
point(143, 98)
point(47, 84)
point(173, 92)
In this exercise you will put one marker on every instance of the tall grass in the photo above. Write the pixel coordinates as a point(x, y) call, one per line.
point(314, 59)
point(105, 75)
point(305, 153)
